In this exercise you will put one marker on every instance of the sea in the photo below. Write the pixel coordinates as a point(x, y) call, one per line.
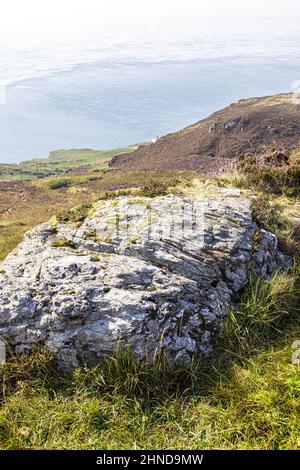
point(103, 93)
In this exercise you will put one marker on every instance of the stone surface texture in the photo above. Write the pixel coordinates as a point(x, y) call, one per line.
point(135, 273)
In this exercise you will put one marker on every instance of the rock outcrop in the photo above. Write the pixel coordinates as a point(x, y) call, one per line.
point(150, 274)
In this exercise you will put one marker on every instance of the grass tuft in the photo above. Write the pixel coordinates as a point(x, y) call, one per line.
point(275, 170)
point(263, 310)
point(74, 216)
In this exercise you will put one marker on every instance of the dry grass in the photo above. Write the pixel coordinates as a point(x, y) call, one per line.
point(29, 203)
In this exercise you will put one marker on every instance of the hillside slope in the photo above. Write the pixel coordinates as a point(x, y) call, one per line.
point(61, 161)
point(208, 145)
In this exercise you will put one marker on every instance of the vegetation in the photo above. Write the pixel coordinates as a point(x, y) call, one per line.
point(275, 170)
point(60, 183)
point(74, 216)
point(60, 243)
point(163, 187)
point(273, 215)
point(263, 311)
point(62, 161)
point(274, 176)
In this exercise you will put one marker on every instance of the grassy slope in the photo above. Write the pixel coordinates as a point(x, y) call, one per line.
point(247, 397)
point(61, 161)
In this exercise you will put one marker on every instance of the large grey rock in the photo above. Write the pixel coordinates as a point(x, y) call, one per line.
point(136, 274)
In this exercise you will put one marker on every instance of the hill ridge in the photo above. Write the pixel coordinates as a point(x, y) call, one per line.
point(210, 144)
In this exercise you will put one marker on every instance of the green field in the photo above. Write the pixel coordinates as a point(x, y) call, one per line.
point(61, 161)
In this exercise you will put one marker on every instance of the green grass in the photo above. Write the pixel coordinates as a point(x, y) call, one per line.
point(65, 160)
point(63, 243)
point(62, 161)
point(12, 223)
point(263, 310)
point(60, 183)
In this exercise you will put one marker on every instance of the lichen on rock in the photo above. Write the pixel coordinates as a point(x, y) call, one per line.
point(156, 276)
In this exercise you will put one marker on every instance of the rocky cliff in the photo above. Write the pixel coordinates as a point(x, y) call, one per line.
point(155, 275)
